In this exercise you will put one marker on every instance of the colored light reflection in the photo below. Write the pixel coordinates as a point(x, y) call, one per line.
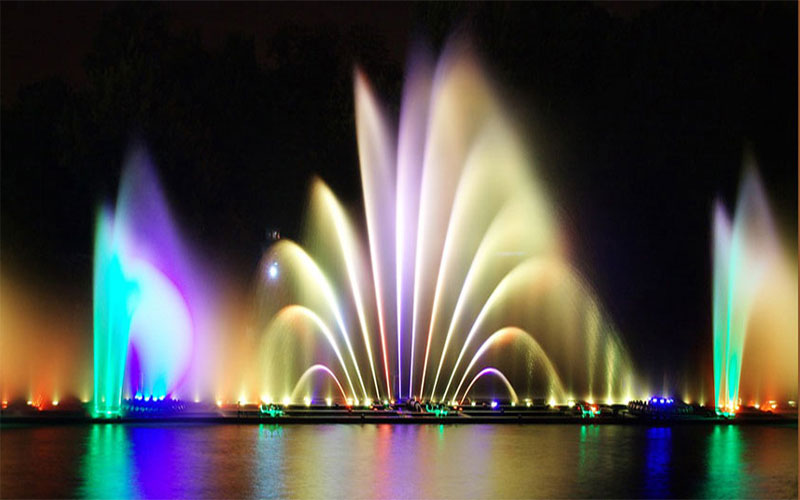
point(658, 458)
point(108, 455)
point(222, 461)
point(725, 464)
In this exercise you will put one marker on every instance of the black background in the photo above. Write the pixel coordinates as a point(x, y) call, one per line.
point(639, 115)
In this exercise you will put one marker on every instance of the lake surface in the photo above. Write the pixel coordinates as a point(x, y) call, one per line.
point(394, 461)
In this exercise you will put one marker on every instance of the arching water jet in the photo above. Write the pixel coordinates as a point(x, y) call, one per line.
point(556, 388)
point(308, 373)
point(497, 373)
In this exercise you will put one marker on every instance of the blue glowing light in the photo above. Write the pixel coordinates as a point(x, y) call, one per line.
point(494, 404)
point(272, 272)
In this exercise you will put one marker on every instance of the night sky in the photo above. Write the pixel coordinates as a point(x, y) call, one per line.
point(638, 114)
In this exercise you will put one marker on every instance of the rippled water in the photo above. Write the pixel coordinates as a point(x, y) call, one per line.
point(391, 461)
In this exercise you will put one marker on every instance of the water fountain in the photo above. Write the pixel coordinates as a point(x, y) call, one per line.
point(149, 303)
point(459, 288)
point(754, 305)
point(461, 280)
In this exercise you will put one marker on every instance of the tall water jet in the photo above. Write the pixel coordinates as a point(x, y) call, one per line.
point(754, 304)
point(461, 242)
point(149, 305)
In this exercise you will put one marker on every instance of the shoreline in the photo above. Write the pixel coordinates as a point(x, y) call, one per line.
point(395, 419)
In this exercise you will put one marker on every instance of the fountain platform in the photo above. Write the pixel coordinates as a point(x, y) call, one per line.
point(501, 414)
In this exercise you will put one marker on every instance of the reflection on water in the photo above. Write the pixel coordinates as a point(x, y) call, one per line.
point(724, 463)
point(268, 450)
point(658, 457)
point(108, 455)
point(391, 461)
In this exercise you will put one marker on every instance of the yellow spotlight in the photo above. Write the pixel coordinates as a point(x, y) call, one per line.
point(307, 401)
point(55, 402)
point(286, 401)
point(328, 401)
